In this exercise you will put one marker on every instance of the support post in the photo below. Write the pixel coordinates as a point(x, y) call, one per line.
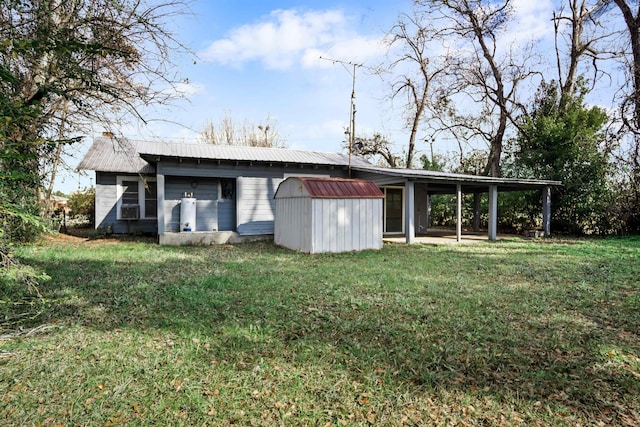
point(458, 212)
point(546, 211)
point(476, 211)
point(409, 223)
point(429, 219)
point(160, 202)
point(493, 212)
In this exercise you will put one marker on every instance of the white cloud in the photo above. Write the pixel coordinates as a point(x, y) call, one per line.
point(188, 88)
point(286, 38)
point(533, 20)
point(184, 88)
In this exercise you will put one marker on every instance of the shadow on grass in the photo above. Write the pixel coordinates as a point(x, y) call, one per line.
point(519, 322)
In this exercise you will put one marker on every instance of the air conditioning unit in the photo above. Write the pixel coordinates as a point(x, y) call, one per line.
point(129, 212)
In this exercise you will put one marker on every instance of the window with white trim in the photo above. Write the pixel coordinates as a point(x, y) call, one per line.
point(135, 190)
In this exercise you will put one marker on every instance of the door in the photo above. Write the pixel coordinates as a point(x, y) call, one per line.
point(394, 210)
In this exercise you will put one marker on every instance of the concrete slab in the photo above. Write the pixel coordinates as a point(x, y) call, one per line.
point(206, 238)
point(447, 237)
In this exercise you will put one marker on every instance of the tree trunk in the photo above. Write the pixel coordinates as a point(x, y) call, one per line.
point(633, 26)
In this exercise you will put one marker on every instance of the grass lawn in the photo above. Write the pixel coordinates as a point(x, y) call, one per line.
point(508, 333)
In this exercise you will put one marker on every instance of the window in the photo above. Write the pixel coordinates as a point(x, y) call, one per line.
point(227, 188)
point(129, 192)
point(139, 191)
point(151, 199)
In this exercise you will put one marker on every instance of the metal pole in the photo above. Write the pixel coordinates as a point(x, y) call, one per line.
point(458, 212)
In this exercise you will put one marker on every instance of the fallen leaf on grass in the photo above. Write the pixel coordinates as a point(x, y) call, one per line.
point(363, 399)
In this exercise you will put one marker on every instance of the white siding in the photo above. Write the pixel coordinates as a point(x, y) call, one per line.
point(341, 225)
point(106, 212)
point(255, 205)
point(293, 224)
point(106, 199)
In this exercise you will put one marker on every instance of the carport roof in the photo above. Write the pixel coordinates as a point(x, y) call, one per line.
point(440, 181)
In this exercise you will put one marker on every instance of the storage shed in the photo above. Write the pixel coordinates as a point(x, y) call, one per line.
point(317, 215)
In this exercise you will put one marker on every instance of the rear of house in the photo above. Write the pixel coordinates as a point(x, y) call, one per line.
point(140, 184)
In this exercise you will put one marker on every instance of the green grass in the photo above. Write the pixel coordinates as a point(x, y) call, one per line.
point(509, 333)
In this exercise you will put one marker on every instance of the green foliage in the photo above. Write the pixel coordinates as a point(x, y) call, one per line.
point(436, 165)
point(566, 144)
point(69, 62)
point(83, 202)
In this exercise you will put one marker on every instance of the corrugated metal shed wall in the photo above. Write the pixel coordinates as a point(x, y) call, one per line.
point(323, 224)
point(342, 225)
point(293, 229)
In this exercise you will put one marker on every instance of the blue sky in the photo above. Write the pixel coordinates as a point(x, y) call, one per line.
point(255, 59)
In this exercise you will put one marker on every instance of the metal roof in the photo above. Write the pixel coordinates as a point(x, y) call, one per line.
point(446, 178)
point(153, 150)
point(115, 155)
point(341, 188)
point(327, 188)
point(132, 156)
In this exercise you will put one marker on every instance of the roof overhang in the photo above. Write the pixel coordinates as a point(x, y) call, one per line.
point(443, 182)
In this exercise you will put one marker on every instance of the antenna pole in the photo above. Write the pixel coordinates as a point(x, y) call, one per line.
point(352, 125)
point(352, 105)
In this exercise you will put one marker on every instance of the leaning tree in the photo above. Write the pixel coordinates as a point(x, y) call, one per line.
point(65, 63)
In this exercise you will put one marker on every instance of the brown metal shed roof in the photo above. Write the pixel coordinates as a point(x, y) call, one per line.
point(340, 188)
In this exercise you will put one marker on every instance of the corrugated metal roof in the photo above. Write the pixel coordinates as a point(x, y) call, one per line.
point(152, 149)
point(446, 177)
point(340, 188)
point(115, 155)
point(125, 155)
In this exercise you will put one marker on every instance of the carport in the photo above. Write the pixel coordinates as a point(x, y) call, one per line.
point(408, 192)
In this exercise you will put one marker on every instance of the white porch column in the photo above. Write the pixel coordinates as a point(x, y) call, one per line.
point(493, 212)
point(458, 212)
point(546, 211)
point(160, 202)
point(409, 221)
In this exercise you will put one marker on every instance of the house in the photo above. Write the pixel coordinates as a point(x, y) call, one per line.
point(57, 203)
point(140, 186)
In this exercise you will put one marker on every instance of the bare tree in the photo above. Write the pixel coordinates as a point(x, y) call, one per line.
point(226, 132)
point(378, 149)
point(418, 68)
point(630, 105)
point(483, 71)
point(577, 28)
